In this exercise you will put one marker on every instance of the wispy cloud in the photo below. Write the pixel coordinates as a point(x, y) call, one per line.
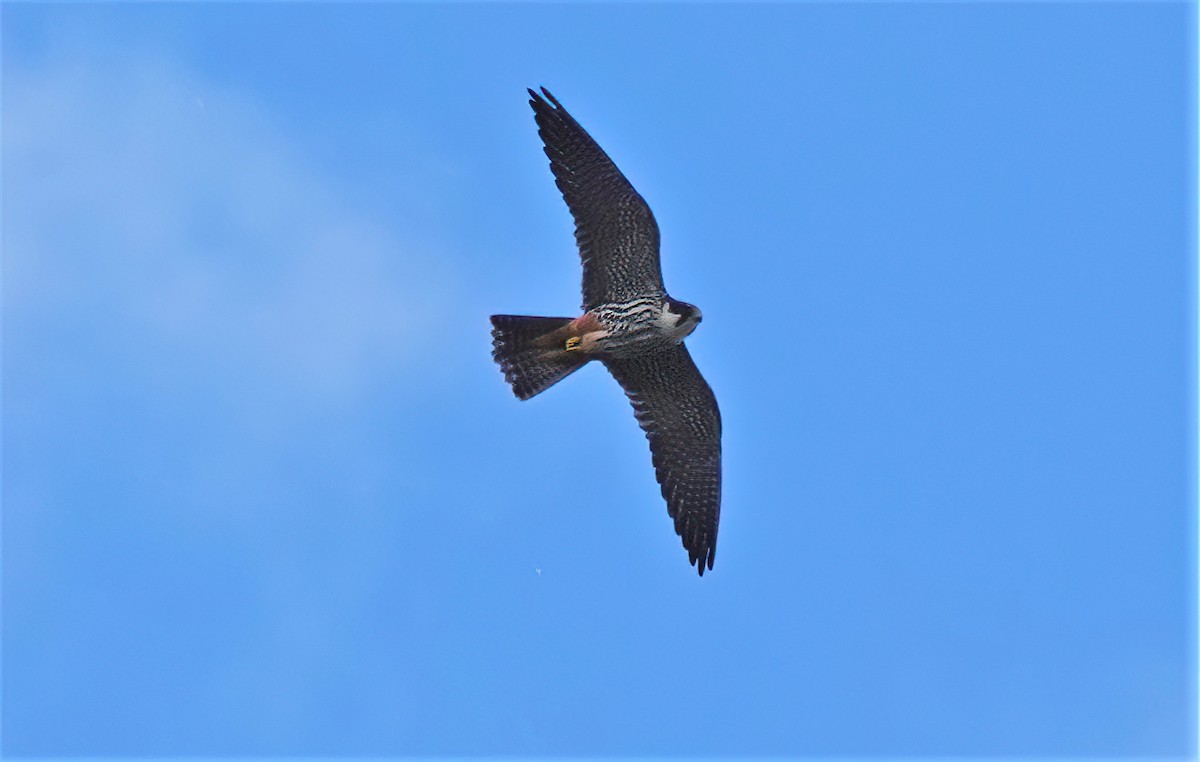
point(199, 326)
point(147, 201)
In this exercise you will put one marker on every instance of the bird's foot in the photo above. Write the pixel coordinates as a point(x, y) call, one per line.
point(573, 343)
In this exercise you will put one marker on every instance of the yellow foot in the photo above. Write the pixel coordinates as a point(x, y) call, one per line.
point(573, 344)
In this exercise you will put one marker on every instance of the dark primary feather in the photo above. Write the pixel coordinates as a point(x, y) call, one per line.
point(614, 228)
point(677, 410)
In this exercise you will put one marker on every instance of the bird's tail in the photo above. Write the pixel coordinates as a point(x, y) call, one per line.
point(532, 366)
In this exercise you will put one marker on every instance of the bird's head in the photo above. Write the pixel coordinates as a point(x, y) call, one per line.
point(682, 318)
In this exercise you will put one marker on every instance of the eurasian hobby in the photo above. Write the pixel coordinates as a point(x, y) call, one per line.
point(629, 323)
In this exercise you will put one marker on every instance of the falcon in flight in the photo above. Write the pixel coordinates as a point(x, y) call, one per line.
point(629, 323)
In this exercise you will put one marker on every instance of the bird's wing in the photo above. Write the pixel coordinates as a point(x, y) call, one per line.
point(614, 228)
point(678, 411)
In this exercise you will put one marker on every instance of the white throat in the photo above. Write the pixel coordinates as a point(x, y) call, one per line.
point(672, 326)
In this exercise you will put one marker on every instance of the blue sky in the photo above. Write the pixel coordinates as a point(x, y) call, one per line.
point(266, 494)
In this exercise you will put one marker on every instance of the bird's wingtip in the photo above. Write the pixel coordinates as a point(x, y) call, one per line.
point(704, 559)
point(542, 97)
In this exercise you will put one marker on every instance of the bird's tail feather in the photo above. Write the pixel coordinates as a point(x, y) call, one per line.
point(530, 366)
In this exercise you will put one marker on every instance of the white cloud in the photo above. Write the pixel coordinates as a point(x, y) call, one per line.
point(199, 326)
point(145, 201)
